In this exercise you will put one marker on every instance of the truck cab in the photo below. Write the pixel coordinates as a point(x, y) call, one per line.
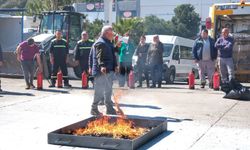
point(236, 17)
point(71, 25)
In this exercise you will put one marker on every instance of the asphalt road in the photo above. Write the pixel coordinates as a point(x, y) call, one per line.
point(199, 119)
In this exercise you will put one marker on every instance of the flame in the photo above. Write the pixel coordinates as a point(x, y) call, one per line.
point(121, 128)
point(117, 96)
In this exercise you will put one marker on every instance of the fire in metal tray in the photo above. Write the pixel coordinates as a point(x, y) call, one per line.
point(122, 128)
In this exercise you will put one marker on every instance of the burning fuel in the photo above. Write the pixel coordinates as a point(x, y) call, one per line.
point(119, 129)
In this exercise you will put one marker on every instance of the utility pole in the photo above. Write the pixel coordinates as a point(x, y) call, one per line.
point(108, 12)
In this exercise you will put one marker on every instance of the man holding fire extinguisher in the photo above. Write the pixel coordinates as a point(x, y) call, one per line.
point(58, 58)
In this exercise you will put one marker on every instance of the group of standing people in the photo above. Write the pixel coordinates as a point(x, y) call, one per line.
point(150, 60)
point(99, 60)
point(206, 51)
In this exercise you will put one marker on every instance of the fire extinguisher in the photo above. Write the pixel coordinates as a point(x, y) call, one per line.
point(191, 80)
point(131, 80)
point(216, 81)
point(84, 80)
point(39, 81)
point(59, 79)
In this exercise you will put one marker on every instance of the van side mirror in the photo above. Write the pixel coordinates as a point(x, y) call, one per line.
point(176, 56)
point(34, 18)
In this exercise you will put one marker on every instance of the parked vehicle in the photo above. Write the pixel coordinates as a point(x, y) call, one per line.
point(236, 17)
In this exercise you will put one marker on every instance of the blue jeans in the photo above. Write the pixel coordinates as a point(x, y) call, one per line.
point(28, 67)
point(103, 89)
point(226, 69)
point(156, 74)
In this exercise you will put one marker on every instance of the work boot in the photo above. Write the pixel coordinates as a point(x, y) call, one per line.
point(95, 112)
point(110, 111)
point(67, 85)
point(52, 85)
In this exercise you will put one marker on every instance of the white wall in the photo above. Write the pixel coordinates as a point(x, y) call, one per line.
point(165, 8)
point(10, 32)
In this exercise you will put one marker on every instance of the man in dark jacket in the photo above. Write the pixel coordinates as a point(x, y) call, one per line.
point(155, 61)
point(205, 55)
point(1, 63)
point(103, 66)
point(82, 51)
point(225, 44)
point(141, 52)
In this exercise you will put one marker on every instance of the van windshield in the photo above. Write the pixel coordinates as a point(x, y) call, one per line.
point(167, 50)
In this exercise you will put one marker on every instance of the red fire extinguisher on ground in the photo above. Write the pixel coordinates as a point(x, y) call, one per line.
point(84, 80)
point(59, 79)
point(39, 81)
point(216, 81)
point(191, 80)
point(131, 80)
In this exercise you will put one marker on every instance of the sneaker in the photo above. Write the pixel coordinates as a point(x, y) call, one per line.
point(1, 90)
point(152, 86)
point(27, 87)
point(111, 111)
point(159, 86)
point(52, 85)
point(95, 112)
point(32, 86)
point(139, 86)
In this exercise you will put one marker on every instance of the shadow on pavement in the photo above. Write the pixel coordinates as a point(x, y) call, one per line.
point(155, 140)
point(54, 91)
point(139, 106)
point(16, 93)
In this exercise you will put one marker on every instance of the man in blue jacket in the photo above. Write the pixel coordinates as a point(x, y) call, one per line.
point(103, 67)
point(225, 48)
point(205, 55)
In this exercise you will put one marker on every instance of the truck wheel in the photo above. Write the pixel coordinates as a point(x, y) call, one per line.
point(171, 77)
point(78, 71)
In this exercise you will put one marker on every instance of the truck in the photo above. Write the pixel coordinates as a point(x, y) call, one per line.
point(236, 17)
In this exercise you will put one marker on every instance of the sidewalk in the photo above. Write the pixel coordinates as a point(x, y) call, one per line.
point(198, 119)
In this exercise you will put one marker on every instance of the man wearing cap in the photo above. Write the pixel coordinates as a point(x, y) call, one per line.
point(58, 58)
point(27, 52)
point(82, 51)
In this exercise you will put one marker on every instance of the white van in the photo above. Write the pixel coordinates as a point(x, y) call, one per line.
point(177, 57)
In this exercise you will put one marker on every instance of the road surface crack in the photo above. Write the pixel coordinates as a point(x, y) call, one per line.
point(219, 119)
